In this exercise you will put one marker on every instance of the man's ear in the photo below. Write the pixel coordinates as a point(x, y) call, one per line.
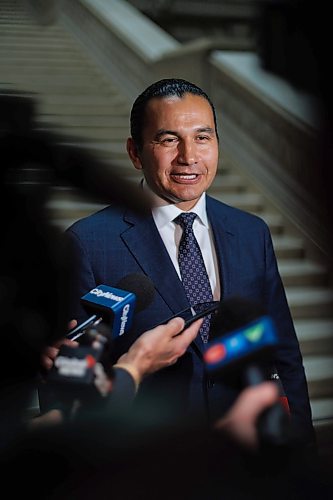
point(132, 151)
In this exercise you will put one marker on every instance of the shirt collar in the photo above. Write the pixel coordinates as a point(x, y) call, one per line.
point(164, 212)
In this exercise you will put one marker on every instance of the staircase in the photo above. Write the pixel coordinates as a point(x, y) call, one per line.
point(74, 97)
point(235, 21)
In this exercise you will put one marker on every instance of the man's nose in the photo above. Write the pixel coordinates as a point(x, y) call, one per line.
point(187, 153)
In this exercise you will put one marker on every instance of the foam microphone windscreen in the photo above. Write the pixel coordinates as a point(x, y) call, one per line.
point(141, 286)
point(234, 313)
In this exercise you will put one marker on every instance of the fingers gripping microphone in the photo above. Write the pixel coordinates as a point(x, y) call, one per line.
point(81, 375)
point(115, 306)
point(243, 340)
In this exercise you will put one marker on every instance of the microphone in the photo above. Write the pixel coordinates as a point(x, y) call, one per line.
point(115, 306)
point(243, 339)
point(81, 377)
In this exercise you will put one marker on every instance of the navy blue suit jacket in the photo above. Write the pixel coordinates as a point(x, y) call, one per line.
point(112, 243)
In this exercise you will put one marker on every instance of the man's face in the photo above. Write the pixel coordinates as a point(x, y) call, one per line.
point(180, 149)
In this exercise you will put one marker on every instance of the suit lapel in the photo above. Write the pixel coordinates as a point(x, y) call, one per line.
point(144, 242)
point(225, 241)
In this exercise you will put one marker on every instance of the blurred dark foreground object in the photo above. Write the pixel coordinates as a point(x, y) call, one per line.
point(36, 158)
point(33, 264)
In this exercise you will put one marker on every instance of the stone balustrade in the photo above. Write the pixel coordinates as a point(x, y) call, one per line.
point(273, 136)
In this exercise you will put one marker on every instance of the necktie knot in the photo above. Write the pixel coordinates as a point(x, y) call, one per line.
point(185, 220)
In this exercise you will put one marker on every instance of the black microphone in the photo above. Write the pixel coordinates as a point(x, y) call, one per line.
point(115, 306)
point(81, 377)
point(243, 339)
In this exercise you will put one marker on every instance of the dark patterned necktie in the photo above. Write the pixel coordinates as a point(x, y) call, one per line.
point(192, 268)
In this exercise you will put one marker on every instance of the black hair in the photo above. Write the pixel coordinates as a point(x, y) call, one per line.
point(163, 88)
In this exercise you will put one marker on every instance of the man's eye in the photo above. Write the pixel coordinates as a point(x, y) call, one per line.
point(203, 137)
point(168, 140)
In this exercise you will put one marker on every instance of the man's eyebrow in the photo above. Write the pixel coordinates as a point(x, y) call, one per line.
point(209, 130)
point(162, 132)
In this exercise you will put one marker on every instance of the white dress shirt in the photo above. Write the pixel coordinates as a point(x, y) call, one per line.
point(164, 214)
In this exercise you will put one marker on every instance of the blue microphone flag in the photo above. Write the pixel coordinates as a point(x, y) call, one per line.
point(120, 303)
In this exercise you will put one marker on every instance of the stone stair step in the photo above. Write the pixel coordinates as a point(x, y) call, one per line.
point(30, 36)
point(87, 133)
point(66, 59)
point(273, 220)
point(67, 56)
point(66, 205)
point(315, 335)
point(111, 149)
point(322, 409)
point(34, 39)
point(114, 107)
point(224, 183)
point(287, 247)
point(319, 375)
point(73, 209)
point(310, 302)
point(124, 165)
point(49, 74)
point(21, 68)
point(93, 121)
point(65, 85)
point(14, 13)
point(85, 102)
point(58, 95)
point(302, 272)
point(97, 105)
point(20, 21)
point(245, 201)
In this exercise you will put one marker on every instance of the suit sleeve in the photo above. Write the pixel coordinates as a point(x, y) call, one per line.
point(124, 390)
point(288, 360)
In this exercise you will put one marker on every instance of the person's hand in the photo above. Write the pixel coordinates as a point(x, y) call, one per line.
point(159, 347)
point(240, 421)
point(51, 418)
point(51, 352)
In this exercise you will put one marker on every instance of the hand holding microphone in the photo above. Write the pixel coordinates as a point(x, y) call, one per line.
point(72, 372)
point(159, 347)
point(51, 351)
point(115, 306)
point(243, 340)
point(84, 381)
point(240, 422)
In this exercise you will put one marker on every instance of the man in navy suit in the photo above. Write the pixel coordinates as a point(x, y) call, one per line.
point(174, 141)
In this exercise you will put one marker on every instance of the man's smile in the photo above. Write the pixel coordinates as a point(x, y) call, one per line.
point(185, 178)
